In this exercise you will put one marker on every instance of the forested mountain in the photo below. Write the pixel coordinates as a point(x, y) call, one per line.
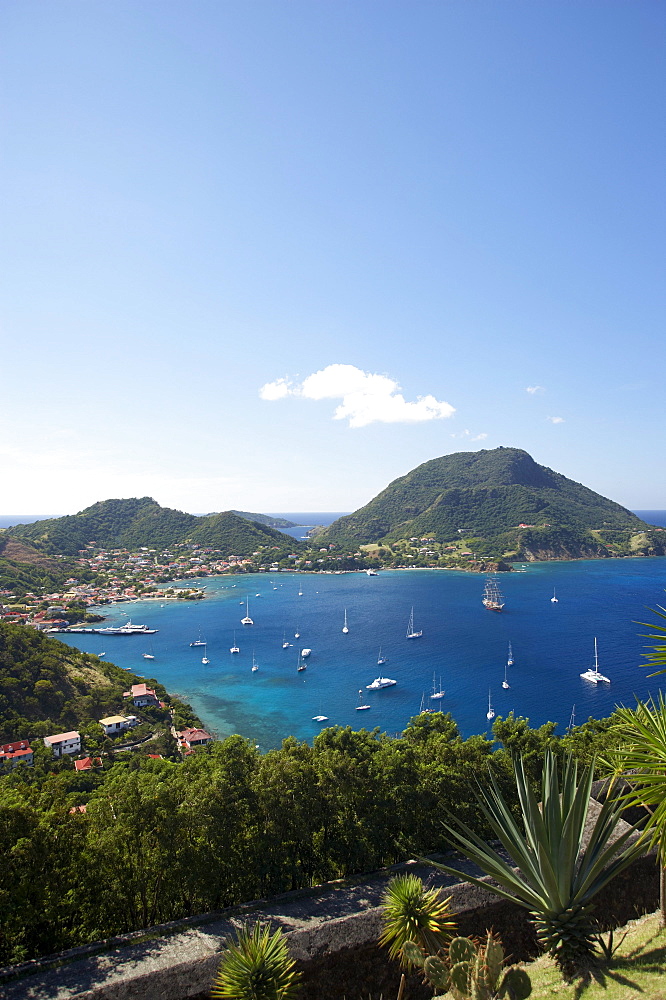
point(131, 524)
point(482, 494)
point(271, 522)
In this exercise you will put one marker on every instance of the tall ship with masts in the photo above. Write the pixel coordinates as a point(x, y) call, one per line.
point(492, 595)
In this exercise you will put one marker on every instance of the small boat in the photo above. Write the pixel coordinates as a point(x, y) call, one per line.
point(361, 707)
point(247, 620)
point(150, 655)
point(204, 658)
point(255, 665)
point(437, 692)
point(257, 595)
point(593, 674)
point(411, 632)
point(509, 659)
point(101, 654)
point(379, 683)
point(553, 599)
point(300, 666)
point(234, 648)
point(490, 714)
point(297, 635)
point(300, 592)
point(285, 644)
point(320, 718)
point(345, 629)
point(381, 659)
point(199, 641)
point(305, 653)
point(505, 683)
point(371, 572)
point(492, 595)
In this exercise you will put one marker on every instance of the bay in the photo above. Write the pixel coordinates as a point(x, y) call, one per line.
point(463, 644)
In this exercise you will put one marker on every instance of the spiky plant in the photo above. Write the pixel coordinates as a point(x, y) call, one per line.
point(643, 752)
point(557, 878)
point(414, 913)
point(257, 966)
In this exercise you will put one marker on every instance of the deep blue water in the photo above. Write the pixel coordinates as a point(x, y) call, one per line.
point(462, 643)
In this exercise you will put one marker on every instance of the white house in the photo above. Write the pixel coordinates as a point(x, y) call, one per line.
point(142, 695)
point(118, 723)
point(64, 743)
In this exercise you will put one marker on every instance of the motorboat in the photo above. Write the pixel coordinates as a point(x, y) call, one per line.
point(379, 683)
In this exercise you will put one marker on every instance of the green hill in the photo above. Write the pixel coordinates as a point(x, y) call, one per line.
point(488, 495)
point(267, 519)
point(138, 522)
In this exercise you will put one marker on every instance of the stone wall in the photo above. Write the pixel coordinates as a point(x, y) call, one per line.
point(332, 929)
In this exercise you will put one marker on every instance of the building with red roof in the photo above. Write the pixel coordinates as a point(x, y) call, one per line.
point(13, 754)
point(190, 738)
point(141, 694)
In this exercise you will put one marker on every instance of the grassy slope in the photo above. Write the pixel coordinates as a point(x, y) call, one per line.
point(638, 969)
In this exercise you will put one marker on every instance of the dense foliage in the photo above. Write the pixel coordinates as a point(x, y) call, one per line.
point(268, 519)
point(483, 493)
point(47, 687)
point(24, 569)
point(135, 523)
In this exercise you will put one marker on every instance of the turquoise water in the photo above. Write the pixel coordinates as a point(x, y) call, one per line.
point(462, 643)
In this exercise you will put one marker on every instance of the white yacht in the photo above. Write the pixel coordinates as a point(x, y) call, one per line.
point(490, 714)
point(437, 692)
point(361, 707)
point(345, 629)
point(235, 648)
point(379, 683)
point(411, 632)
point(305, 653)
point(204, 658)
point(593, 674)
point(247, 620)
point(553, 599)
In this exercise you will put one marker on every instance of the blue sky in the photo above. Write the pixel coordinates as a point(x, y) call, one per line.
point(272, 255)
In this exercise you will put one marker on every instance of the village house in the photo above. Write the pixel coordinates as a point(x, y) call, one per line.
point(13, 754)
point(87, 763)
point(64, 743)
point(190, 738)
point(115, 724)
point(142, 695)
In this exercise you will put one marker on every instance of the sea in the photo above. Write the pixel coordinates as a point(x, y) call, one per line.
point(463, 650)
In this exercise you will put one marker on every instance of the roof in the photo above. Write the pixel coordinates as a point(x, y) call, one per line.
point(14, 747)
point(194, 734)
point(62, 737)
point(87, 762)
point(142, 689)
point(111, 719)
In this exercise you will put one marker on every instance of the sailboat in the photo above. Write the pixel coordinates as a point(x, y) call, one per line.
point(594, 675)
point(381, 659)
point(411, 634)
point(505, 683)
point(492, 595)
point(344, 627)
point(234, 648)
point(320, 717)
point(285, 644)
point(247, 620)
point(361, 707)
point(199, 641)
point(437, 692)
point(300, 592)
point(300, 666)
point(255, 665)
point(147, 656)
point(204, 658)
point(490, 714)
point(553, 599)
point(509, 659)
point(297, 634)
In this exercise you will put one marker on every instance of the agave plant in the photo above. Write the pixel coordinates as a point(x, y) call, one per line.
point(557, 878)
point(414, 913)
point(257, 966)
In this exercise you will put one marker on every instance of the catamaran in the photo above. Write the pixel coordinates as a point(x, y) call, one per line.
point(234, 648)
point(204, 658)
point(255, 665)
point(492, 595)
point(247, 620)
point(344, 627)
point(593, 674)
point(411, 633)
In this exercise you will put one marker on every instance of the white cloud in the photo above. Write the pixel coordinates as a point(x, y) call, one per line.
point(469, 436)
point(533, 389)
point(366, 398)
point(275, 390)
point(556, 420)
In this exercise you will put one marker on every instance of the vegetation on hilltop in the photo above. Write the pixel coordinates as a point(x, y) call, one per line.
point(136, 523)
point(486, 495)
point(267, 519)
point(24, 569)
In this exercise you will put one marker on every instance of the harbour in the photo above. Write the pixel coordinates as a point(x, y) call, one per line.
point(462, 643)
